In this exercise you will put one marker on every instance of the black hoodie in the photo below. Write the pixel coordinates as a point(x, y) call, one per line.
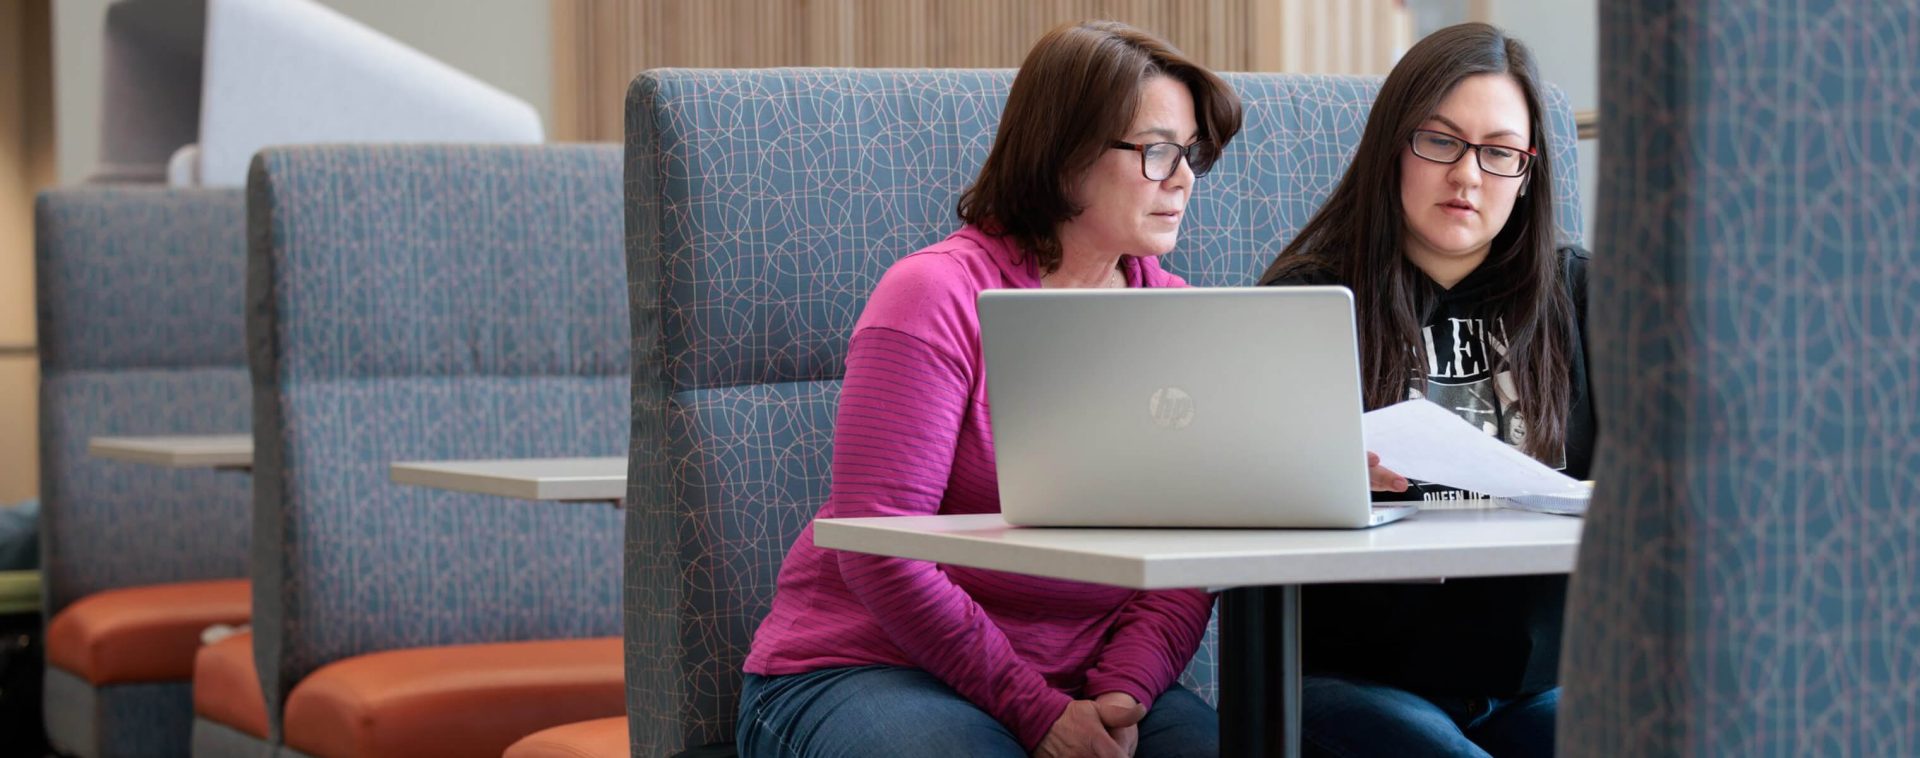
point(1492, 637)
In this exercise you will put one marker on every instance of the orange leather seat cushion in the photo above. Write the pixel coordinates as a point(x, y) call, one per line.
point(456, 700)
point(226, 687)
point(143, 634)
point(599, 738)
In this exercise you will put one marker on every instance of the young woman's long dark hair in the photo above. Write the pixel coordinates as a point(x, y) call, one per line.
point(1359, 238)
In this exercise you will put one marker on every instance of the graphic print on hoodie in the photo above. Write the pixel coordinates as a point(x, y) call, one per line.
point(1463, 349)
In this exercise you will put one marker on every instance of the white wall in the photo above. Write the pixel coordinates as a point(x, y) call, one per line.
point(506, 43)
point(77, 56)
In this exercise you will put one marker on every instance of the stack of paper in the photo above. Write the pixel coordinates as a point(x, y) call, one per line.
point(1420, 440)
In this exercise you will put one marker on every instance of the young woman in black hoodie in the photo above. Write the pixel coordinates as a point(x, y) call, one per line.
point(1443, 227)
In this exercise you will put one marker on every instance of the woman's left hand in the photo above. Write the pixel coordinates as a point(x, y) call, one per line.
point(1121, 714)
point(1381, 478)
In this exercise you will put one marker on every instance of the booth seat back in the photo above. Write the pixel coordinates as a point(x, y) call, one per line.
point(421, 303)
point(762, 207)
point(141, 300)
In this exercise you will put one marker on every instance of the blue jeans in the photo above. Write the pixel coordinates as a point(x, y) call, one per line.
point(886, 710)
point(1354, 718)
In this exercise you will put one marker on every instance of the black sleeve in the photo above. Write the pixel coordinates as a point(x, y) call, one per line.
point(1577, 258)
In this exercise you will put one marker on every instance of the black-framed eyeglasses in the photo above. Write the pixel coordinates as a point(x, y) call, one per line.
point(1158, 160)
point(1498, 160)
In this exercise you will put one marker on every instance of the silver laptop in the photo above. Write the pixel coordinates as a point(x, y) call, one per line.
point(1201, 407)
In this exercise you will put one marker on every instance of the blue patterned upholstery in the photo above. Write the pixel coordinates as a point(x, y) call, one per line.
point(429, 302)
point(762, 208)
point(140, 298)
point(1746, 582)
point(141, 332)
point(143, 720)
point(215, 740)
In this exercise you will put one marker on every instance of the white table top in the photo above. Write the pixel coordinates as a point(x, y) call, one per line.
point(1450, 543)
point(601, 479)
point(178, 451)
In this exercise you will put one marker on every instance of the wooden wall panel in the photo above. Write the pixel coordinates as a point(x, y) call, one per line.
point(26, 165)
point(599, 45)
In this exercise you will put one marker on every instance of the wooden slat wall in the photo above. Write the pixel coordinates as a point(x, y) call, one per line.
point(599, 45)
point(26, 165)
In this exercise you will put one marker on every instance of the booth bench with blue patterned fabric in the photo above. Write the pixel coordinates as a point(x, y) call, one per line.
point(141, 294)
point(762, 206)
point(423, 303)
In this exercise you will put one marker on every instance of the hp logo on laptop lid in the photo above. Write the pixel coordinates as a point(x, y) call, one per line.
point(1171, 408)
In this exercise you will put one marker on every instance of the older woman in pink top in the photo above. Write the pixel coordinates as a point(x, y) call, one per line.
point(1103, 136)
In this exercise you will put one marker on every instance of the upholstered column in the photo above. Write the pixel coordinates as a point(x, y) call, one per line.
point(1749, 582)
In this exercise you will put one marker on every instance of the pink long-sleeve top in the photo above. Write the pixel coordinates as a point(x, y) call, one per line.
point(912, 439)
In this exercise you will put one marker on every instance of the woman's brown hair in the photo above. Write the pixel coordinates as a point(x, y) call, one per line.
point(1076, 92)
point(1359, 238)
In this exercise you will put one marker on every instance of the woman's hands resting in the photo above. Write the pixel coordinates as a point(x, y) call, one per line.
point(1108, 726)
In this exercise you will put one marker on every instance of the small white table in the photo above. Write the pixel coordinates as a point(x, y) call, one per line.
point(574, 479)
point(219, 451)
point(1263, 570)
